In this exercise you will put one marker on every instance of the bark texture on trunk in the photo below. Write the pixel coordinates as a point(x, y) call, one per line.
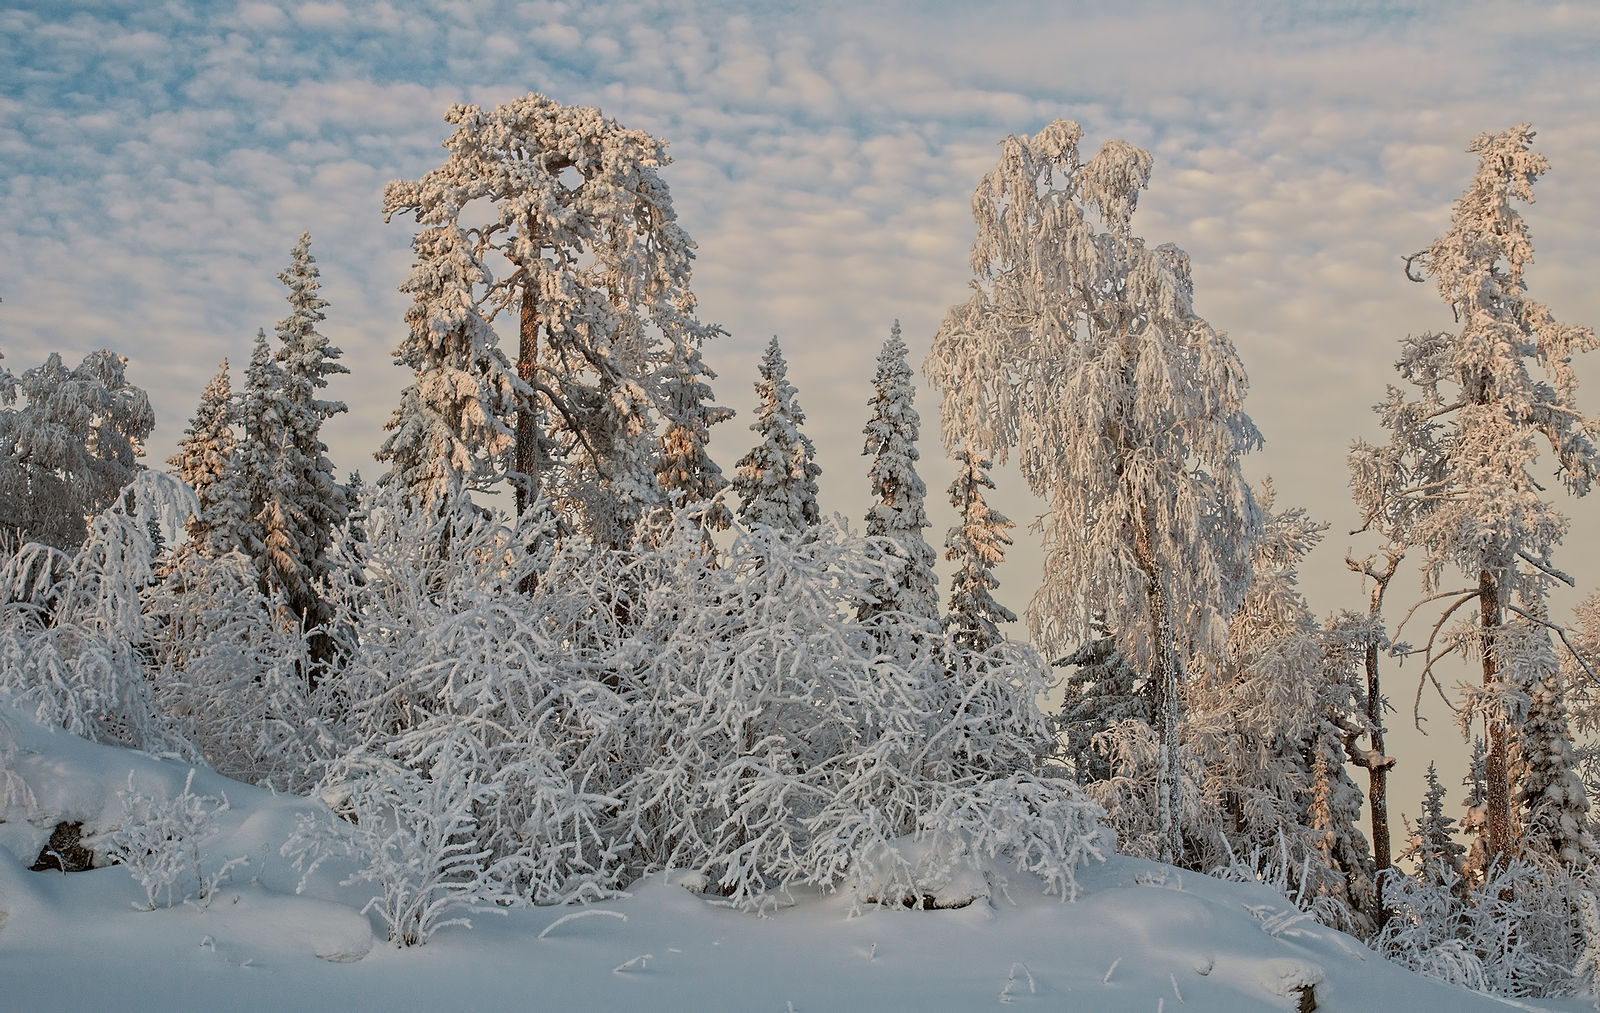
point(1497, 793)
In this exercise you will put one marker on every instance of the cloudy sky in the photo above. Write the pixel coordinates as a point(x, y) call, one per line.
point(158, 159)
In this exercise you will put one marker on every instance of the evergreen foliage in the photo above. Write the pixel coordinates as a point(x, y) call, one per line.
point(976, 543)
point(909, 595)
point(597, 288)
point(683, 463)
point(777, 480)
point(204, 462)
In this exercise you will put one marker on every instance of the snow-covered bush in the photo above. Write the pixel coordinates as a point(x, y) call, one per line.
point(73, 631)
point(629, 710)
point(777, 742)
point(1519, 933)
point(413, 836)
point(159, 842)
point(227, 665)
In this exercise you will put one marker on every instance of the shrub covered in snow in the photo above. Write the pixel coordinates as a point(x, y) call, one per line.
point(159, 842)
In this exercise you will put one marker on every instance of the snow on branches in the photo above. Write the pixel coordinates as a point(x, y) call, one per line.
point(1081, 350)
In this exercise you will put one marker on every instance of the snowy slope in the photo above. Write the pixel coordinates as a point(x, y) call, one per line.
point(1140, 937)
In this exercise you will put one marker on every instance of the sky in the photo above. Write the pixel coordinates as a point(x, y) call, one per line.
point(158, 161)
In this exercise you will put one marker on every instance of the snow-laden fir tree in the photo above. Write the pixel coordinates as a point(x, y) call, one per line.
point(454, 427)
point(204, 461)
point(1434, 849)
point(1101, 691)
point(976, 543)
point(1081, 349)
point(255, 456)
point(1551, 801)
point(1455, 478)
point(777, 480)
point(683, 465)
point(306, 360)
point(68, 447)
point(595, 283)
point(910, 595)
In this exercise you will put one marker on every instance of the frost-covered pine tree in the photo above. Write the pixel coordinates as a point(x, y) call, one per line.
point(454, 427)
point(976, 544)
point(777, 480)
point(203, 462)
point(597, 288)
point(910, 594)
point(69, 446)
point(1455, 478)
point(683, 465)
point(1081, 349)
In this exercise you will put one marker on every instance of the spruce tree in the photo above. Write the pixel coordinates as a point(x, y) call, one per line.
point(976, 543)
point(306, 360)
point(1434, 849)
point(683, 465)
point(898, 511)
point(777, 479)
point(204, 462)
point(305, 504)
point(1551, 801)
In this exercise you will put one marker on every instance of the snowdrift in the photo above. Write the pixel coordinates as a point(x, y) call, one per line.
point(1140, 936)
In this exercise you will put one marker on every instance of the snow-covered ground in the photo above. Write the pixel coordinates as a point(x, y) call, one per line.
point(1139, 937)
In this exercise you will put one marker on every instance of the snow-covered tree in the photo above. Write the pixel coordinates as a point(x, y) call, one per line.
point(1434, 848)
point(74, 637)
point(1081, 349)
point(683, 465)
point(777, 480)
point(453, 429)
point(1455, 478)
point(203, 462)
point(1350, 634)
point(69, 446)
point(1254, 712)
point(976, 544)
point(1550, 798)
point(897, 513)
point(596, 283)
point(306, 359)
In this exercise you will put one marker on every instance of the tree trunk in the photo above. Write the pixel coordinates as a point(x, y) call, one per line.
point(1378, 770)
point(527, 463)
point(1497, 793)
point(1164, 674)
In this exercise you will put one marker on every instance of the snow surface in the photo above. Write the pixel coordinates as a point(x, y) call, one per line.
point(1141, 936)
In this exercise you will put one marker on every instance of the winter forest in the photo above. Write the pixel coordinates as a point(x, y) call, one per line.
point(551, 646)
